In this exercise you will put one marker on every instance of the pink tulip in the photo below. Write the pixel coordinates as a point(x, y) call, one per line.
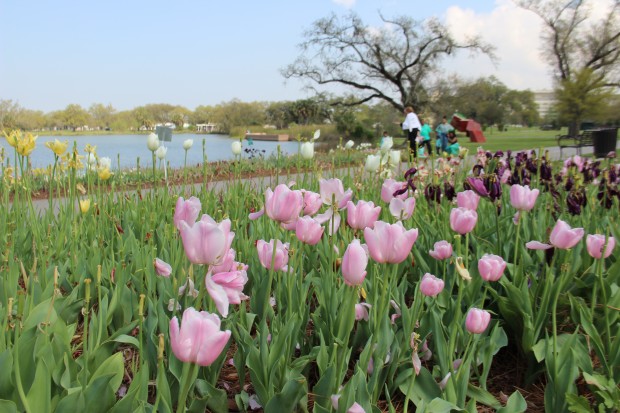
point(362, 215)
point(491, 267)
point(595, 244)
point(389, 187)
point(442, 250)
point(356, 408)
point(463, 220)
point(361, 311)
point(199, 340)
point(308, 230)
point(564, 237)
point(226, 264)
point(265, 254)
point(187, 211)
point(283, 204)
point(354, 263)
point(467, 199)
point(333, 193)
point(389, 243)
point(523, 198)
point(536, 245)
point(226, 288)
point(312, 202)
point(162, 268)
point(402, 209)
point(477, 320)
point(206, 242)
point(431, 285)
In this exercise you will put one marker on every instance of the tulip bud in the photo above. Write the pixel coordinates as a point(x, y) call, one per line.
point(477, 320)
point(354, 264)
point(307, 150)
point(161, 152)
point(152, 142)
point(187, 143)
point(236, 148)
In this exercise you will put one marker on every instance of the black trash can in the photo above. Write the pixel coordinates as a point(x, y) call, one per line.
point(604, 141)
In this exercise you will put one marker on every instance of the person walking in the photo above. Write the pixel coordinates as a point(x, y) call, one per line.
point(412, 125)
point(425, 132)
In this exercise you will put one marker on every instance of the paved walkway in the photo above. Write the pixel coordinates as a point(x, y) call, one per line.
point(42, 205)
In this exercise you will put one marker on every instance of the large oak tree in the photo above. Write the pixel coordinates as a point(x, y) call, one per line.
point(388, 63)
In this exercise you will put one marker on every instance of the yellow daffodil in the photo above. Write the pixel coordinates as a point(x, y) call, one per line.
point(26, 144)
point(57, 146)
point(104, 174)
point(84, 205)
point(12, 137)
point(73, 160)
point(90, 149)
point(8, 175)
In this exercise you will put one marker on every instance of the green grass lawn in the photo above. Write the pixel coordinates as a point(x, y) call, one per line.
point(514, 139)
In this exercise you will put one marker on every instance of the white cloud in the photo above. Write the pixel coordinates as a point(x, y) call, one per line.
point(514, 32)
point(346, 3)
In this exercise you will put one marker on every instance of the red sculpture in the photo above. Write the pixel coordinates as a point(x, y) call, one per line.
point(469, 126)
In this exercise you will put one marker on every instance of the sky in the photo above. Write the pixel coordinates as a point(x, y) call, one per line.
point(206, 52)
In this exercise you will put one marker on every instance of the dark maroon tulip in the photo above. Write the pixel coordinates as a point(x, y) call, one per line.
point(448, 190)
point(432, 192)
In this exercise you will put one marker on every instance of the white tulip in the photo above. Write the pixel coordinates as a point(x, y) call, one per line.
point(387, 144)
point(152, 142)
point(372, 163)
point(307, 150)
point(105, 162)
point(187, 143)
point(91, 159)
point(236, 148)
point(394, 158)
point(317, 134)
point(161, 152)
point(349, 144)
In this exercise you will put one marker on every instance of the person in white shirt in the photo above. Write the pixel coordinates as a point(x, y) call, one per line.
point(412, 125)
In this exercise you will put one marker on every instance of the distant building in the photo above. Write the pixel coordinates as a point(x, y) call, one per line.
point(206, 127)
point(544, 99)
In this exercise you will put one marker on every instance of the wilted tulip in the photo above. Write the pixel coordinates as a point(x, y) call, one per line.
point(389, 243)
point(354, 263)
point(162, 268)
point(307, 150)
point(199, 339)
point(152, 142)
point(430, 285)
point(236, 148)
point(265, 254)
point(477, 320)
point(442, 250)
point(491, 267)
point(595, 244)
point(523, 198)
point(308, 230)
point(206, 242)
point(187, 211)
point(463, 220)
point(363, 214)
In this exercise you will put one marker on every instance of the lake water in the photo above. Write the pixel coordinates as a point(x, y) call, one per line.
point(131, 147)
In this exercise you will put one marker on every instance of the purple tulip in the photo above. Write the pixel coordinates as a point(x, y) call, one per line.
point(523, 198)
point(463, 220)
point(595, 244)
point(199, 340)
point(362, 215)
point(308, 230)
point(354, 263)
point(491, 267)
point(389, 243)
point(162, 268)
point(265, 254)
point(467, 199)
point(430, 285)
point(206, 242)
point(442, 250)
point(187, 211)
point(477, 320)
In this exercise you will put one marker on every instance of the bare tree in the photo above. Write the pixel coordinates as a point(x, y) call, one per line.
point(388, 63)
point(578, 46)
